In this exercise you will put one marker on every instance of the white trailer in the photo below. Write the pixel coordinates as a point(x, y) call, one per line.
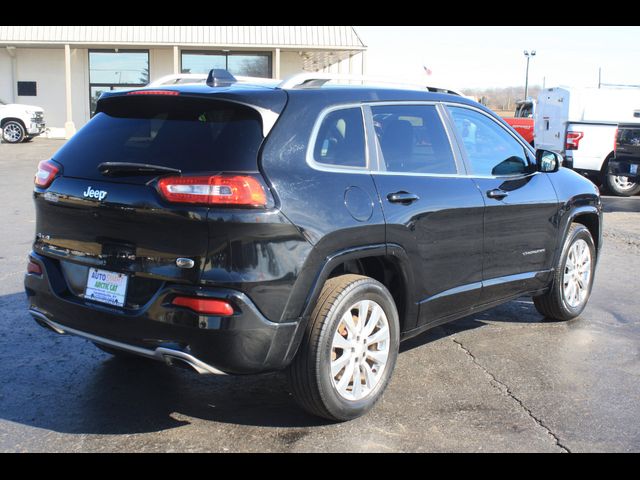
point(580, 124)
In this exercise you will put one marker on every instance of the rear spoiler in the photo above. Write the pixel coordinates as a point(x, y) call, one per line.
point(269, 111)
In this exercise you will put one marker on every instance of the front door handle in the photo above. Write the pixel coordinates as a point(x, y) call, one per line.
point(405, 198)
point(497, 194)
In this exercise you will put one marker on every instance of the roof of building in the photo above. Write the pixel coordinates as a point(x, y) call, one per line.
point(331, 37)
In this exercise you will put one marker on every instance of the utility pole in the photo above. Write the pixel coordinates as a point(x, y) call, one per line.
point(526, 80)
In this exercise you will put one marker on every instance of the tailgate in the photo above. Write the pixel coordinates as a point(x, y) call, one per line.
point(116, 219)
point(130, 230)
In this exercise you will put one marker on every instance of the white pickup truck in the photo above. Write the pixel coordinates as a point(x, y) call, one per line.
point(20, 123)
point(581, 123)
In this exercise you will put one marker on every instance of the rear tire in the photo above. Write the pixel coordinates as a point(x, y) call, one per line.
point(573, 277)
point(349, 349)
point(621, 186)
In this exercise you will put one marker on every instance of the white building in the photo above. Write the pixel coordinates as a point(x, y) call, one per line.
point(64, 69)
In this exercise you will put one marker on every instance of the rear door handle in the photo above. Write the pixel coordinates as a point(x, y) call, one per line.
point(497, 194)
point(403, 197)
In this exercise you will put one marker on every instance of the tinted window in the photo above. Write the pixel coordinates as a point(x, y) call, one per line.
point(193, 135)
point(413, 139)
point(340, 139)
point(490, 149)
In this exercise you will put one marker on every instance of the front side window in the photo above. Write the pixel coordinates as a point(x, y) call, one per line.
point(340, 141)
point(413, 139)
point(489, 147)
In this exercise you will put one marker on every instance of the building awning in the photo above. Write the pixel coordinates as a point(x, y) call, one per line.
point(286, 37)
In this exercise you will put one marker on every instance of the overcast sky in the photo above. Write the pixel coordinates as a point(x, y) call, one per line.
point(482, 57)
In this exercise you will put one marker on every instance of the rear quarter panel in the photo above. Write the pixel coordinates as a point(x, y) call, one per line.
point(595, 146)
point(314, 200)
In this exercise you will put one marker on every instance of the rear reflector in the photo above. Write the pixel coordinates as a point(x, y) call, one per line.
point(33, 267)
point(573, 140)
point(47, 171)
point(237, 190)
point(154, 92)
point(206, 306)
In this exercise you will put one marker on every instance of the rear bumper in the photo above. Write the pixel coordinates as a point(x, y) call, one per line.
point(244, 343)
point(626, 168)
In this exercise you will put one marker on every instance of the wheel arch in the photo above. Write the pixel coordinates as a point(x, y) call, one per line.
point(588, 216)
point(6, 120)
point(387, 263)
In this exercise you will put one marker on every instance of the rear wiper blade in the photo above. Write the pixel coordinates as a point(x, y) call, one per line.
point(123, 169)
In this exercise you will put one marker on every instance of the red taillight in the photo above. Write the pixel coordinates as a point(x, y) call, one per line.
point(615, 142)
point(33, 267)
point(47, 171)
point(207, 306)
point(238, 190)
point(573, 140)
point(154, 92)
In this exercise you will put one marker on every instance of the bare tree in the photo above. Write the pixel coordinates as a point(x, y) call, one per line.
point(503, 98)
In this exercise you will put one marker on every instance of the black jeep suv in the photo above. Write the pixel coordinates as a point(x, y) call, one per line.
point(240, 228)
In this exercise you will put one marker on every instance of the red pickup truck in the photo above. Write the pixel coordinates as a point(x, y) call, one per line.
point(522, 121)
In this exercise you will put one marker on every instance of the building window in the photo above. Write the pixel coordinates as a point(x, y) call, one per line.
point(116, 70)
point(27, 89)
point(237, 63)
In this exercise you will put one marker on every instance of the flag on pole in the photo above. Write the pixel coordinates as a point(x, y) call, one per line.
point(427, 70)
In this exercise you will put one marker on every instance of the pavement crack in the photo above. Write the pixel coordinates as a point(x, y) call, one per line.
point(504, 388)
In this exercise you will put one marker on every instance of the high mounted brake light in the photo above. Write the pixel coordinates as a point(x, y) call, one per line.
point(154, 92)
point(47, 171)
point(233, 190)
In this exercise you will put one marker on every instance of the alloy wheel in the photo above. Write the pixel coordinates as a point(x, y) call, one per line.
point(577, 273)
point(360, 350)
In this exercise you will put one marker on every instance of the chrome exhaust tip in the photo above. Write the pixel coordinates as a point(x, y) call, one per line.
point(169, 356)
point(42, 320)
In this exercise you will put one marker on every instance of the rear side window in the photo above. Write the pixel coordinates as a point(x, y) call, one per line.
point(413, 139)
point(193, 135)
point(340, 141)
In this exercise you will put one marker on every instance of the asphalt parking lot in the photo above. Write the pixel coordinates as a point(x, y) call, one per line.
point(503, 380)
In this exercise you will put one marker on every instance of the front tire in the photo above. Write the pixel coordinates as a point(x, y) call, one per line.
point(13, 132)
point(349, 349)
point(573, 277)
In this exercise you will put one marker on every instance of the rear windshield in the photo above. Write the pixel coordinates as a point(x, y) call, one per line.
point(190, 134)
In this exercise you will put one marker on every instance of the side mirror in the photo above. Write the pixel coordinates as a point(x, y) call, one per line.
point(548, 162)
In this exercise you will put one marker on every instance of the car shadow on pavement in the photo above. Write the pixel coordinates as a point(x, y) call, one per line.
point(519, 311)
point(65, 384)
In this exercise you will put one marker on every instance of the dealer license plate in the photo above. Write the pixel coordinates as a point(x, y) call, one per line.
point(106, 287)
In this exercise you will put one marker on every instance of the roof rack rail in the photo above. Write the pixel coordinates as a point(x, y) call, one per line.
point(317, 80)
